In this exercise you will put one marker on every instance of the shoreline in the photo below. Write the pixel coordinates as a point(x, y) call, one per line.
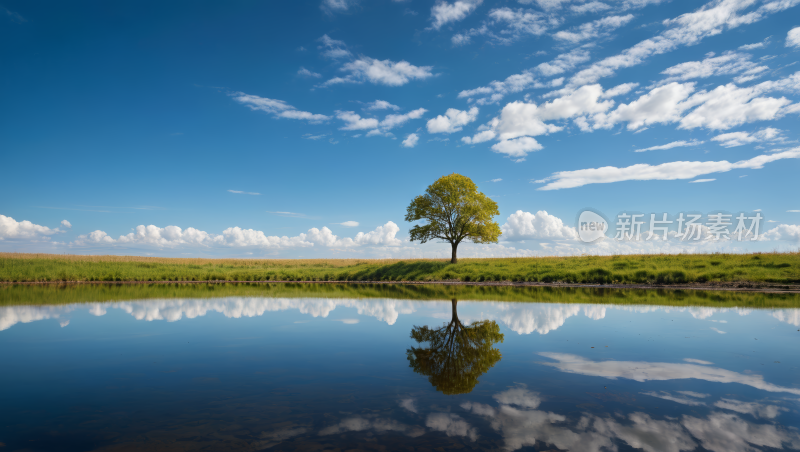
point(733, 286)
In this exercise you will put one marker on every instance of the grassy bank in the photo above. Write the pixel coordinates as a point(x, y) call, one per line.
point(630, 269)
point(13, 295)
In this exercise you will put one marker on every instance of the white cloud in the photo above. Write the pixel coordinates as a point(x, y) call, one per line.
point(546, 4)
point(688, 29)
point(338, 6)
point(443, 12)
point(278, 108)
point(734, 139)
point(411, 140)
point(66, 224)
point(526, 226)
point(354, 121)
point(349, 224)
point(793, 37)
point(699, 181)
point(594, 29)
point(664, 171)
point(674, 144)
point(789, 232)
point(521, 22)
point(564, 62)
point(479, 137)
point(251, 192)
point(392, 121)
point(172, 236)
point(306, 73)
point(757, 45)
point(333, 48)
point(496, 180)
point(24, 230)
point(728, 63)
point(380, 72)
point(590, 7)
point(661, 105)
point(517, 147)
point(452, 121)
point(496, 90)
point(381, 105)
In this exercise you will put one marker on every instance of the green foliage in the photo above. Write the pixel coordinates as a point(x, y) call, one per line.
point(455, 211)
point(456, 355)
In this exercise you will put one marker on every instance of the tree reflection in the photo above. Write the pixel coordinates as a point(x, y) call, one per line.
point(456, 354)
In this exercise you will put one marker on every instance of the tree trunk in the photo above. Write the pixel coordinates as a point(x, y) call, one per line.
point(454, 259)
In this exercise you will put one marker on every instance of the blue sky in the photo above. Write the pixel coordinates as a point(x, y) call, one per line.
point(270, 129)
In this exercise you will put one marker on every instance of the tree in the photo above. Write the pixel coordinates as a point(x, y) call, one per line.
point(456, 211)
point(456, 354)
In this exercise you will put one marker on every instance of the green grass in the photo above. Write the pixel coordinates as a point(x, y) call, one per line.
point(11, 295)
point(664, 269)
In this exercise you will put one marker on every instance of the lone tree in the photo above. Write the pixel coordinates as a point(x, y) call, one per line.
point(457, 354)
point(455, 211)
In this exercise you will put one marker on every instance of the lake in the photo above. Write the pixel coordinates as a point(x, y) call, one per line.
point(390, 367)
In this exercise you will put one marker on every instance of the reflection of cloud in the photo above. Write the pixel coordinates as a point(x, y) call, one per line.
point(647, 434)
point(347, 321)
point(644, 371)
point(790, 316)
point(754, 409)
point(695, 394)
point(718, 331)
point(719, 432)
point(270, 439)
point(723, 432)
point(697, 361)
point(667, 396)
point(451, 424)
point(378, 425)
point(408, 404)
point(542, 318)
point(385, 310)
point(64, 323)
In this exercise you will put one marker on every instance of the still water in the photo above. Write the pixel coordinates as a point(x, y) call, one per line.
point(292, 367)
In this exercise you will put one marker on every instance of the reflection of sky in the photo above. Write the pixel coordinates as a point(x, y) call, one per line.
point(522, 318)
point(578, 377)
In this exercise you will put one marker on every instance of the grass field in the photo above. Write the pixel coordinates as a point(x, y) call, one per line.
point(54, 294)
point(627, 269)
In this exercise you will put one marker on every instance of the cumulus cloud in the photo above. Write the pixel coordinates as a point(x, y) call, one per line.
point(411, 140)
point(526, 226)
point(729, 63)
point(517, 148)
point(277, 108)
point(687, 29)
point(452, 121)
point(306, 73)
point(523, 22)
point(336, 6)
point(793, 37)
point(734, 139)
point(11, 229)
point(789, 232)
point(173, 236)
point(333, 48)
point(664, 171)
point(590, 7)
point(443, 12)
point(381, 105)
point(66, 224)
point(349, 224)
point(564, 62)
point(479, 137)
point(380, 72)
point(594, 29)
point(354, 121)
point(674, 144)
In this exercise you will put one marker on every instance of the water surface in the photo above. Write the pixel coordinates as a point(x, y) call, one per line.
point(293, 367)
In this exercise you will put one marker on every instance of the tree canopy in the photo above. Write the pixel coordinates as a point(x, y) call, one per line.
point(456, 354)
point(455, 211)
